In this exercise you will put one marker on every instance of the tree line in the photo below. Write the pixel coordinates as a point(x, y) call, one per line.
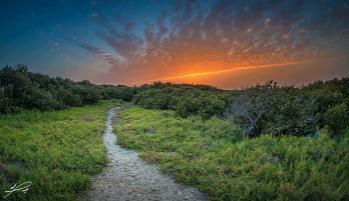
point(20, 89)
point(264, 108)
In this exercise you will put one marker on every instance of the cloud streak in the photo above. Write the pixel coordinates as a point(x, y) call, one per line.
point(105, 56)
point(280, 65)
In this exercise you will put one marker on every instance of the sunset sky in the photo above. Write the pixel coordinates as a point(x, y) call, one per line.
point(228, 44)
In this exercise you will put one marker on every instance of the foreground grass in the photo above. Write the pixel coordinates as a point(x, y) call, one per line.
point(209, 156)
point(56, 151)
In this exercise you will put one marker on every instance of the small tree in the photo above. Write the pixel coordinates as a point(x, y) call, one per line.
point(249, 106)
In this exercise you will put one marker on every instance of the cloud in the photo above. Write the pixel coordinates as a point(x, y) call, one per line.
point(231, 33)
point(106, 56)
point(56, 45)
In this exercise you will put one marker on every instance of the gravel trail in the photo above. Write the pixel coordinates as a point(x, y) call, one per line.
point(127, 177)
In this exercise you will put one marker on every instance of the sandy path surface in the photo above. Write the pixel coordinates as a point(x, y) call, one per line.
point(127, 177)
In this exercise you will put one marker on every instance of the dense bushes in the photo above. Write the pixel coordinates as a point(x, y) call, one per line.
point(20, 89)
point(273, 109)
point(120, 92)
point(185, 99)
point(279, 110)
point(205, 106)
point(267, 108)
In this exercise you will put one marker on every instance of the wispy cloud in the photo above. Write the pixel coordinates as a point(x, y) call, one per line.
point(100, 53)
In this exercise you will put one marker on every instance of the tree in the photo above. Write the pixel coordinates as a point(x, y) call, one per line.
point(248, 107)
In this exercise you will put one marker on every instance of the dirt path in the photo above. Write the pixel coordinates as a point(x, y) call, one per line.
point(127, 177)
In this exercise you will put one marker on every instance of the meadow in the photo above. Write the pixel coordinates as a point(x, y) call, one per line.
point(57, 151)
point(214, 156)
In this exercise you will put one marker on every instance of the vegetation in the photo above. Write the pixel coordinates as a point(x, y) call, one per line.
point(337, 118)
point(267, 108)
point(266, 142)
point(186, 99)
point(214, 156)
point(56, 151)
point(20, 89)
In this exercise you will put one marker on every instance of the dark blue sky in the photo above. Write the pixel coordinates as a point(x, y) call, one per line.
point(134, 41)
point(34, 32)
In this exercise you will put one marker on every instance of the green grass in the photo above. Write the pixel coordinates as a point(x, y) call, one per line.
point(57, 151)
point(210, 156)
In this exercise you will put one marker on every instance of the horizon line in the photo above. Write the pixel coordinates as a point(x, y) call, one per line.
point(233, 69)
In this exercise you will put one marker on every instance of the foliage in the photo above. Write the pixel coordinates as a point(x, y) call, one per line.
point(56, 151)
point(205, 106)
point(249, 106)
point(277, 110)
point(185, 99)
point(292, 113)
point(267, 108)
point(20, 89)
point(337, 118)
point(213, 156)
point(121, 92)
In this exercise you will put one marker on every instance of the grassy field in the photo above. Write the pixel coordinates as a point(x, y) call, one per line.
point(56, 151)
point(213, 156)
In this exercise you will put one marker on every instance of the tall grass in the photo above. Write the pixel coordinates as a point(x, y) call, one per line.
point(212, 156)
point(56, 151)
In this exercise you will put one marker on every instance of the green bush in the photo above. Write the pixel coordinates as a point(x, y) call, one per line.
point(153, 98)
point(71, 99)
point(210, 106)
point(337, 118)
point(291, 113)
point(187, 106)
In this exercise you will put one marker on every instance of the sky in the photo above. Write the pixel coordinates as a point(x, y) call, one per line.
point(228, 44)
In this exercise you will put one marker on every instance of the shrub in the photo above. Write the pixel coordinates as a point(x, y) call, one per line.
point(153, 98)
point(187, 106)
point(210, 106)
point(71, 99)
point(337, 118)
point(291, 113)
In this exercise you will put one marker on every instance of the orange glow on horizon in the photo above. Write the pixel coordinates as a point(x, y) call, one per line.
point(232, 69)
